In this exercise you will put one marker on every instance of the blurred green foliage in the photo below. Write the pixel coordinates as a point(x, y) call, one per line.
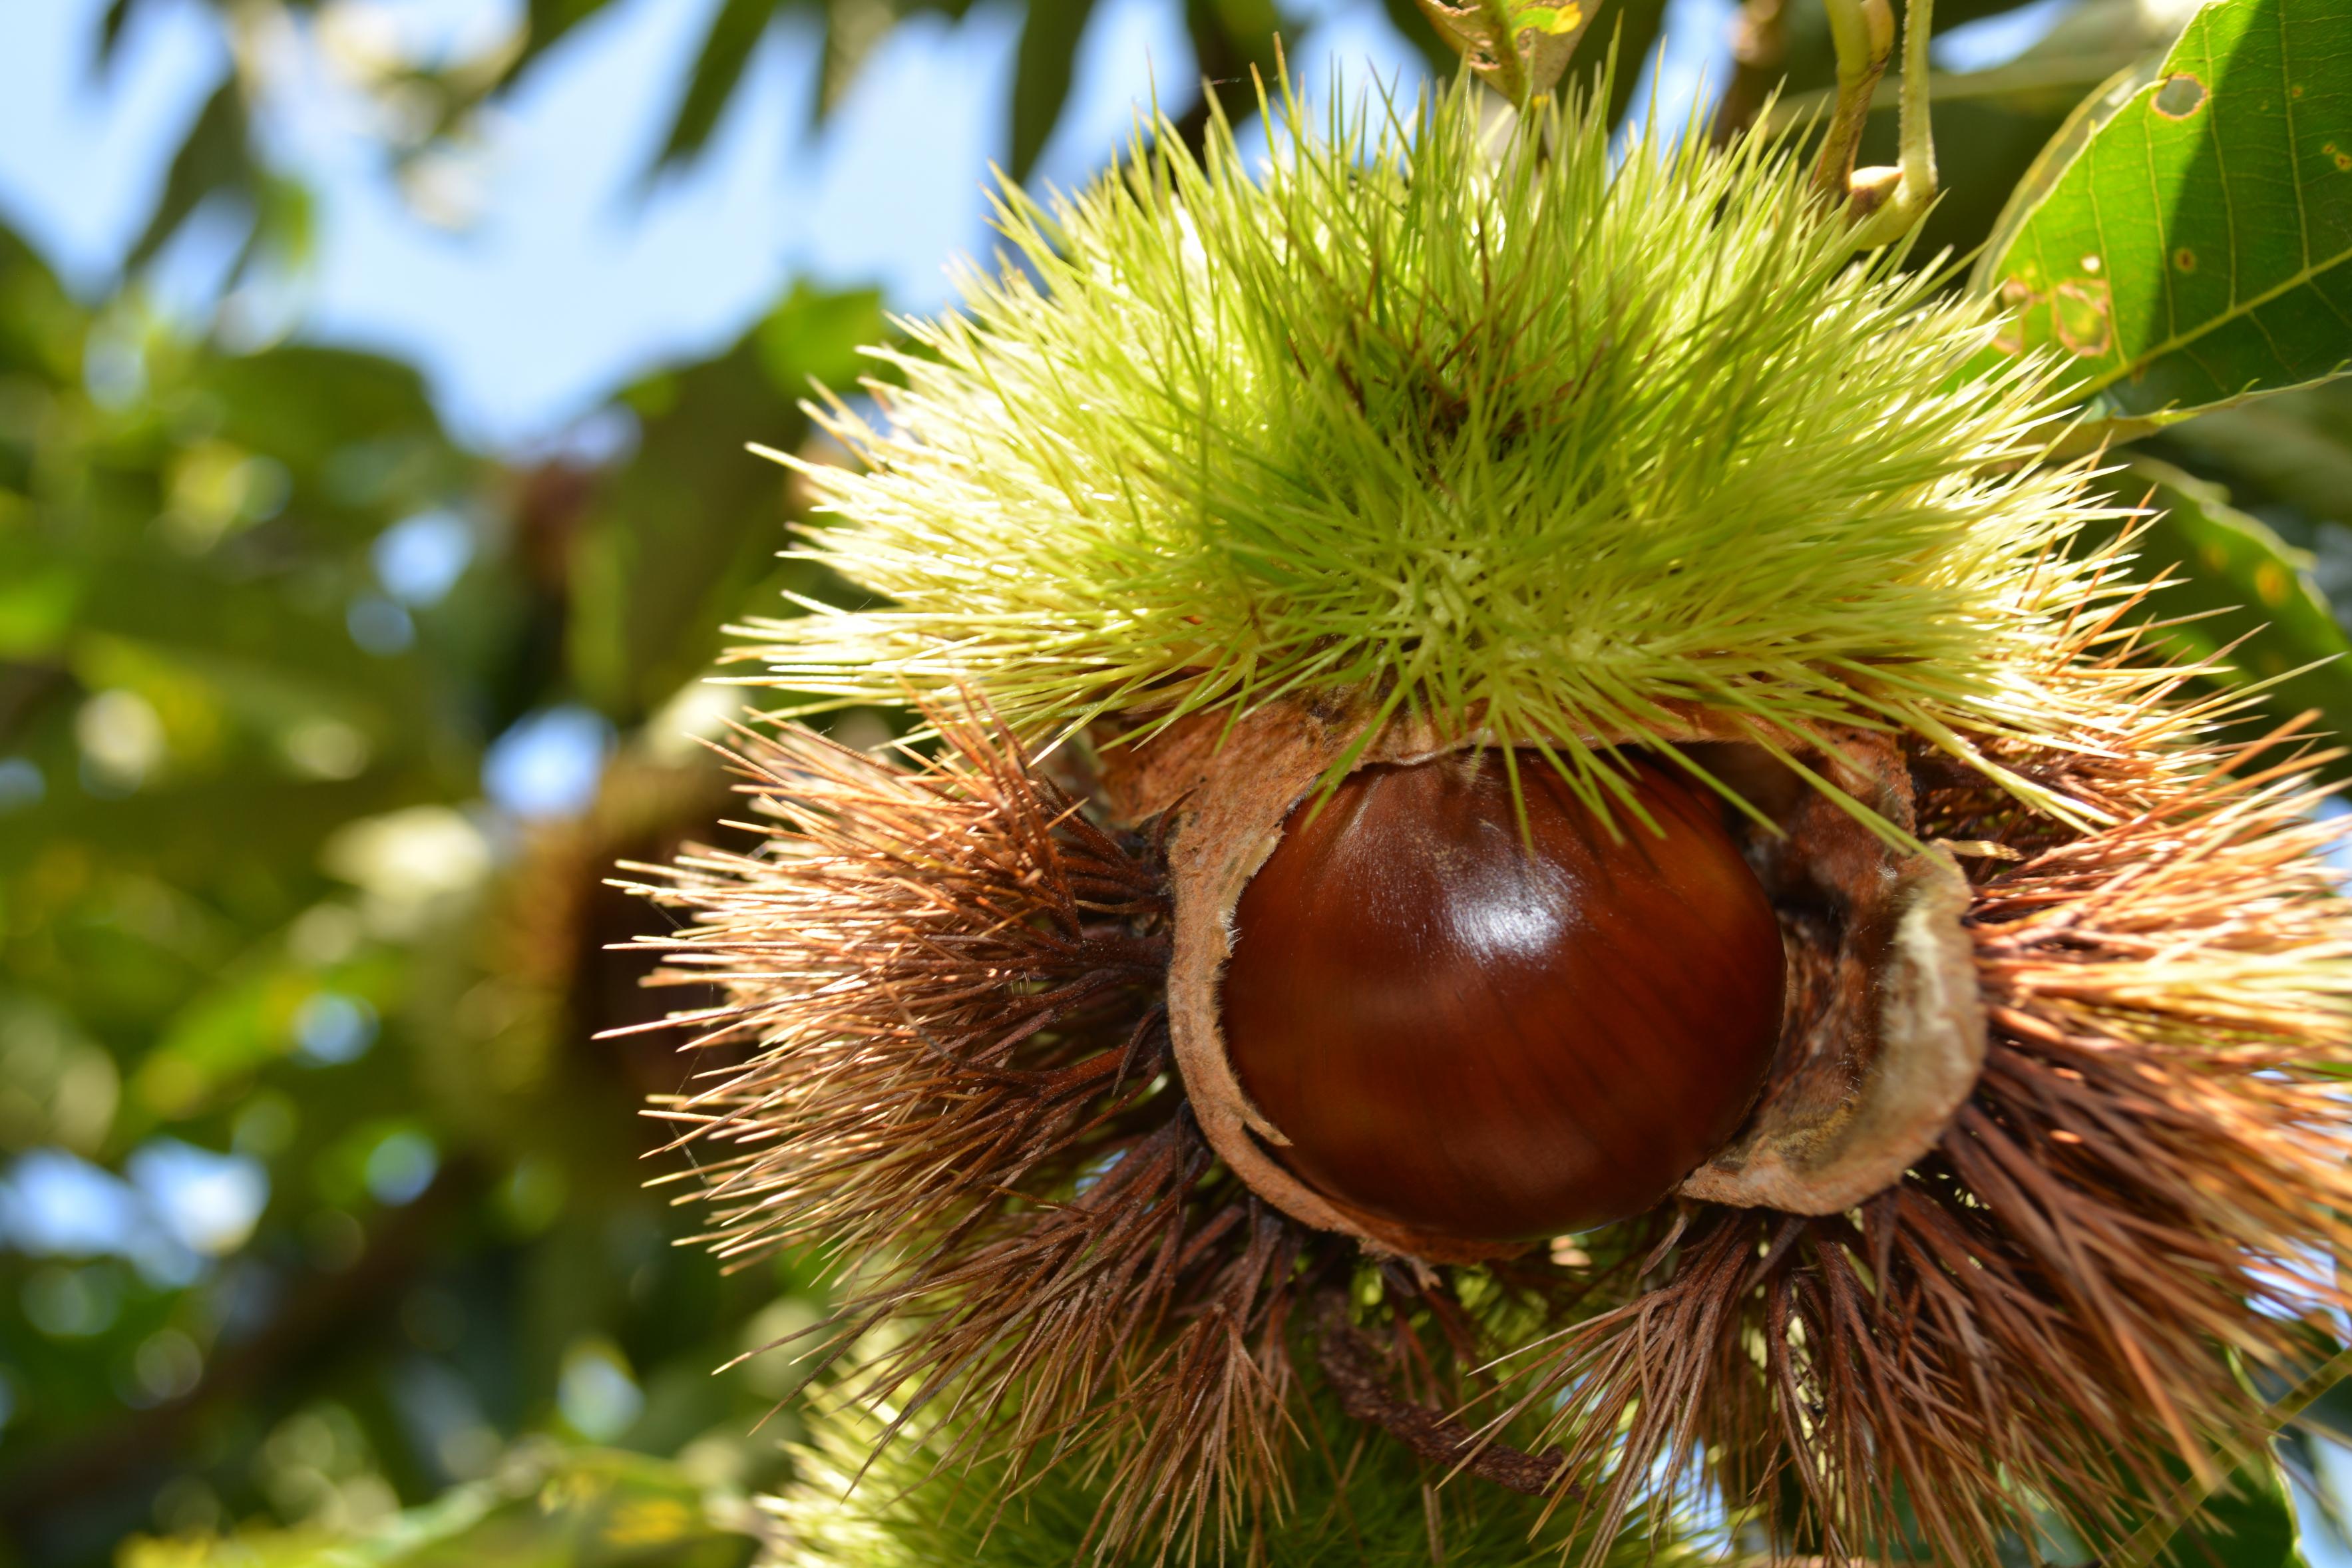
point(589, 1507)
point(323, 1194)
point(321, 1236)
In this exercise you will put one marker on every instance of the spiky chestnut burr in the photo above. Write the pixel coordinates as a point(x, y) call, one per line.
point(1502, 1017)
point(1398, 450)
point(944, 1050)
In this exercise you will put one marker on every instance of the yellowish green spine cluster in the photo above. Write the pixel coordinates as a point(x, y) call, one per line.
point(1542, 439)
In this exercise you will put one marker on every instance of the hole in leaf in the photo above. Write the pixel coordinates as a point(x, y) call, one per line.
point(2180, 97)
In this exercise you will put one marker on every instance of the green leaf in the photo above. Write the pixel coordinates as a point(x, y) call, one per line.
point(213, 157)
point(548, 22)
point(2244, 585)
point(2250, 1501)
point(241, 1024)
point(726, 49)
point(2098, 430)
point(2331, 1412)
point(110, 30)
point(2184, 240)
point(815, 336)
point(675, 543)
point(1625, 32)
point(2248, 1524)
point(1041, 75)
point(1231, 38)
point(853, 30)
point(1631, 27)
point(37, 606)
point(304, 404)
point(2296, 446)
point(2115, 88)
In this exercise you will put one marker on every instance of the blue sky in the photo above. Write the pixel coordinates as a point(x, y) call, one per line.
point(568, 278)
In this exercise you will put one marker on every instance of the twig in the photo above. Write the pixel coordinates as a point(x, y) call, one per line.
point(1759, 48)
point(1863, 32)
point(1349, 1362)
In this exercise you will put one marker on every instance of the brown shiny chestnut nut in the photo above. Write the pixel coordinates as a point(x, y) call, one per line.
point(1498, 1036)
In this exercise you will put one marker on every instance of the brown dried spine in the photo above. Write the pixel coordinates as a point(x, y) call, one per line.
point(2144, 1194)
point(943, 1045)
point(2062, 1298)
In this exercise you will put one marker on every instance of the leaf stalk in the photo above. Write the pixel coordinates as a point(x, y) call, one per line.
point(1863, 32)
point(1886, 203)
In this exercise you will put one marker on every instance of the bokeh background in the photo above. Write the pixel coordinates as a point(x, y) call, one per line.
point(374, 382)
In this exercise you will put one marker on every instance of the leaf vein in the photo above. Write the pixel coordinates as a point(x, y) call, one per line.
point(2176, 344)
point(2294, 152)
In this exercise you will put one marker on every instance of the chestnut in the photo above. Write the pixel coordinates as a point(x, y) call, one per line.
point(1496, 1033)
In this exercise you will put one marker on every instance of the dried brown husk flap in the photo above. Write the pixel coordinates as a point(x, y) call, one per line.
point(1884, 1033)
point(1884, 1036)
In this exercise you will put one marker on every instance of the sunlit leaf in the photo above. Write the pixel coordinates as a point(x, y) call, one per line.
point(2192, 249)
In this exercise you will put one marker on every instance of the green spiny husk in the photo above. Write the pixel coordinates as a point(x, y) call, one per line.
point(1538, 439)
point(1355, 1501)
